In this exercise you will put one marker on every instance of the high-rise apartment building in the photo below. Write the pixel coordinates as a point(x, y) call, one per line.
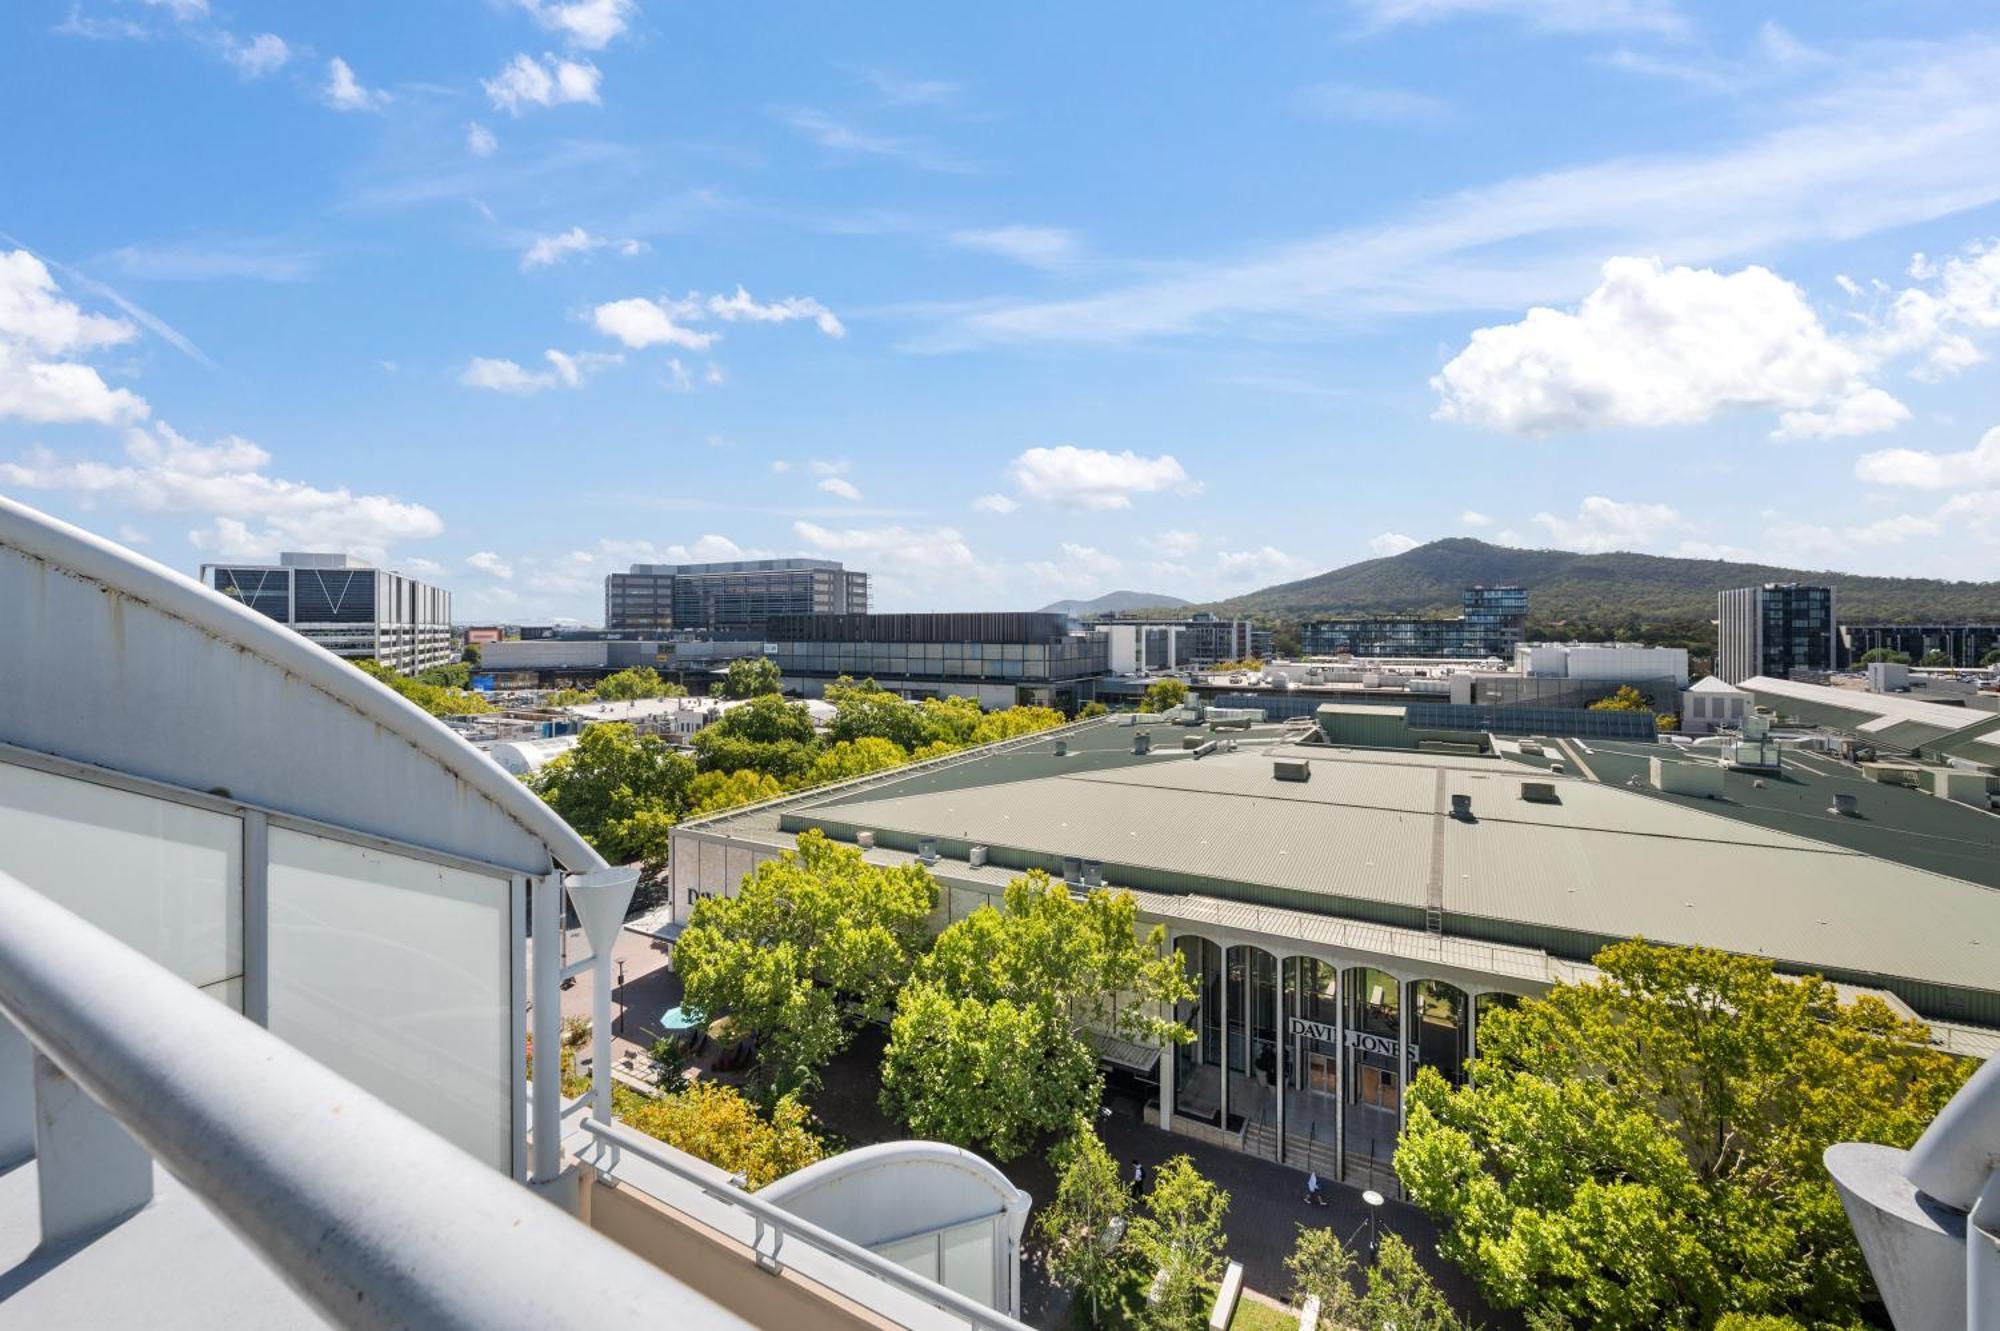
point(1773, 630)
point(347, 606)
point(1493, 624)
point(1194, 642)
point(1964, 645)
point(733, 597)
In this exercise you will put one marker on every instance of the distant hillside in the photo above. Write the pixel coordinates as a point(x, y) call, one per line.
point(1116, 603)
point(1597, 593)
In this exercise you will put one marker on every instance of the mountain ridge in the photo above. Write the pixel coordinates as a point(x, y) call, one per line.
point(1115, 602)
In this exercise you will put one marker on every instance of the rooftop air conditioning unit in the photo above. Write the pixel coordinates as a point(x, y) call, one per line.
point(976, 857)
point(1093, 874)
point(1844, 805)
point(1291, 769)
point(865, 840)
point(1539, 792)
point(927, 849)
point(1461, 807)
point(1072, 869)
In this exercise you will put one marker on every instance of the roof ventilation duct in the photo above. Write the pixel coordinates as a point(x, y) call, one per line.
point(1062, 748)
point(1291, 769)
point(865, 840)
point(1072, 870)
point(927, 850)
point(1844, 805)
point(1093, 873)
point(1461, 808)
point(976, 857)
point(1539, 792)
point(1142, 743)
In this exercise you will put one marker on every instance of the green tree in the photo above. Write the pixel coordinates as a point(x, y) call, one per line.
point(1083, 1226)
point(751, 677)
point(470, 655)
point(1179, 1235)
point(619, 790)
point(953, 721)
point(1991, 658)
point(855, 757)
point(1644, 1150)
point(716, 1123)
point(1934, 659)
point(637, 682)
point(1626, 699)
point(765, 734)
point(1884, 655)
point(1090, 709)
point(1323, 1268)
point(1402, 1295)
point(437, 700)
point(1013, 722)
point(813, 943)
point(1163, 695)
point(875, 714)
point(712, 792)
point(988, 1047)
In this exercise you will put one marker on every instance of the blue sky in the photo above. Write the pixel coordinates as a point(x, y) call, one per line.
point(1001, 303)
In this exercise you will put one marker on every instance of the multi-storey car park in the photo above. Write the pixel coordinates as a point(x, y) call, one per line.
point(1352, 911)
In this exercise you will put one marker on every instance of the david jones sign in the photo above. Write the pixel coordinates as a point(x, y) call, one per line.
point(1380, 1045)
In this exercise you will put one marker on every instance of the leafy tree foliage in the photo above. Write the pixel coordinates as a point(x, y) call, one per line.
point(1644, 1150)
point(637, 682)
point(433, 698)
point(1179, 1233)
point(1934, 658)
point(1626, 699)
point(987, 1047)
point(619, 790)
point(457, 675)
point(1401, 1294)
point(1991, 658)
point(1882, 655)
point(1163, 695)
point(855, 757)
point(1083, 1227)
point(1090, 709)
point(766, 735)
point(1014, 722)
point(712, 792)
point(1323, 1268)
point(751, 677)
point(716, 1123)
point(814, 942)
point(866, 712)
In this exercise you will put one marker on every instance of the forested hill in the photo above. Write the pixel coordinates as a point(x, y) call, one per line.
point(1597, 592)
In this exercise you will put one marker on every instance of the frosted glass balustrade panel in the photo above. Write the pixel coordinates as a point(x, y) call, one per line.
point(394, 973)
point(971, 1259)
point(166, 878)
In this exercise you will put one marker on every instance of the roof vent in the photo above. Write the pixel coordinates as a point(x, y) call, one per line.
point(927, 849)
point(1291, 769)
point(1203, 750)
point(1142, 743)
point(1539, 792)
point(1555, 769)
point(1093, 873)
point(1843, 805)
point(1072, 869)
point(1461, 807)
point(976, 857)
point(865, 840)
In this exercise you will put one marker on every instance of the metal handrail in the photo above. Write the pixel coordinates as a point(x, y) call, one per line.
point(618, 1136)
point(370, 1217)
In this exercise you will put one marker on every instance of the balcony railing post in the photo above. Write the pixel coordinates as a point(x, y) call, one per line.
point(546, 988)
point(89, 1170)
point(17, 1096)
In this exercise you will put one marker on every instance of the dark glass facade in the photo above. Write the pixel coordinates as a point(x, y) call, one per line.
point(1037, 654)
point(736, 597)
point(1774, 630)
point(1963, 645)
point(1493, 624)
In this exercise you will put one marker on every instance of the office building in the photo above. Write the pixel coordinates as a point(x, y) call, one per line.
point(1193, 642)
point(1001, 659)
point(1617, 662)
point(1493, 623)
point(346, 606)
point(267, 993)
point(735, 597)
point(1774, 630)
point(1354, 906)
point(1963, 645)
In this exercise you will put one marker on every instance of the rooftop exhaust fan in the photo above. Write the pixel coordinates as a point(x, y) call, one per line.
point(1844, 805)
point(1461, 807)
point(865, 840)
point(927, 849)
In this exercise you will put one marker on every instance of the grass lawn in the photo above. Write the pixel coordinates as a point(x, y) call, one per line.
point(1252, 1315)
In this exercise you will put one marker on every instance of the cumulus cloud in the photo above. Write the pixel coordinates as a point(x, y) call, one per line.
point(1088, 559)
point(930, 562)
point(492, 565)
point(525, 82)
point(995, 503)
point(1870, 411)
point(566, 370)
point(263, 54)
point(479, 140)
point(589, 24)
point(1656, 346)
point(1936, 321)
point(248, 513)
point(1393, 543)
point(1174, 543)
point(641, 323)
point(1473, 518)
point(1264, 564)
point(548, 250)
point(343, 91)
point(1604, 524)
point(1978, 468)
point(1090, 478)
point(1031, 246)
point(41, 336)
point(835, 485)
point(742, 308)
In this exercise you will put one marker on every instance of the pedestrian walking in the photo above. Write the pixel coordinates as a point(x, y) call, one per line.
point(1314, 1197)
point(1138, 1176)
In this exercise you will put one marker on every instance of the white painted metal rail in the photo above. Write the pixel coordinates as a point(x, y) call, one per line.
point(374, 1220)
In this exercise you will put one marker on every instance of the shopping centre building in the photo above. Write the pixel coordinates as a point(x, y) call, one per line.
point(1352, 912)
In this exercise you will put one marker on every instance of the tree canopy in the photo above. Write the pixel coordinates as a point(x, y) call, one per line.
point(766, 735)
point(716, 1123)
point(1082, 1228)
point(619, 790)
point(751, 677)
point(813, 942)
point(1179, 1235)
point(1163, 695)
point(1883, 655)
point(437, 699)
point(637, 682)
point(988, 1044)
point(1644, 1150)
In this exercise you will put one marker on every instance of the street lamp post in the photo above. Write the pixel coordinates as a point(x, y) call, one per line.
point(1374, 1201)
point(620, 1027)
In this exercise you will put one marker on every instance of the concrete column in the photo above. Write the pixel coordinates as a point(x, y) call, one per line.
point(1278, 1045)
point(1222, 1073)
point(1408, 989)
point(1168, 1053)
point(1341, 1061)
point(90, 1171)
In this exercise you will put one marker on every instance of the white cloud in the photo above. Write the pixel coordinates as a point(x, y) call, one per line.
point(249, 513)
point(419, 566)
point(566, 370)
point(1473, 518)
point(524, 82)
point(1656, 346)
point(1893, 531)
point(343, 92)
point(1393, 543)
point(1090, 478)
point(1978, 468)
point(1869, 411)
point(1175, 544)
point(899, 91)
point(1936, 322)
point(263, 54)
point(935, 561)
point(589, 24)
point(995, 503)
point(1604, 524)
point(640, 323)
point(40, 334)
point(1265, 564)
point(1655, 16)
point(835, 485)
point(1376, 106)
point(547, 250)
point(1089, 560)
point(830, 466)
point(183, 11)
point(1032, 246)
point(479, 140)
point(847, 141)
point(485, 561)
point(741, 308)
